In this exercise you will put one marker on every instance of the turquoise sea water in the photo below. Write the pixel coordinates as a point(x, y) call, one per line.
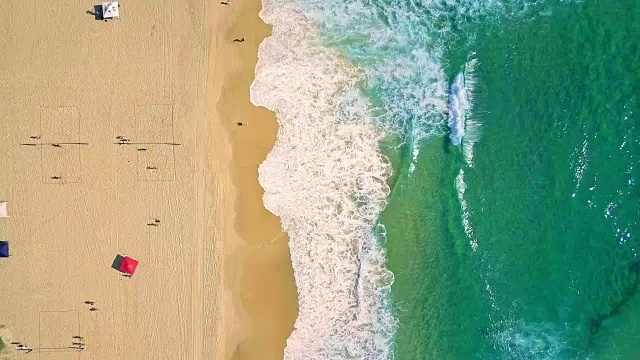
point(518, 243)
point(552, 197)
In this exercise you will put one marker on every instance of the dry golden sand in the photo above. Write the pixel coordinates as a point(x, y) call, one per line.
point(211, 284)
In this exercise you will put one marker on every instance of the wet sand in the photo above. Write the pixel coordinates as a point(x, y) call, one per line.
point(258, 273)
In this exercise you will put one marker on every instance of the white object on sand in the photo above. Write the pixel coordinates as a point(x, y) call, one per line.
point(110, 10)
point(3, 210)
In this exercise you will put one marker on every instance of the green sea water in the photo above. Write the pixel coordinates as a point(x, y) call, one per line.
point(552, 197)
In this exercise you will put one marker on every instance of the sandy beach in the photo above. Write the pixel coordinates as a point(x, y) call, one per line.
point(214, 279)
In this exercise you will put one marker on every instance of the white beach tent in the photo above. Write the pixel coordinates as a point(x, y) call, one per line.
point(110, 10)
point(3, 209)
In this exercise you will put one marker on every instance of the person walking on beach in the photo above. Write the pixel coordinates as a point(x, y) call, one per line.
point(24, 348)
point(238, 40)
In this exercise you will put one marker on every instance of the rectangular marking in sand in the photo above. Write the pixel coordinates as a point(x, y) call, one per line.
point(155, 134)
point(56, 331)
point(60, 124)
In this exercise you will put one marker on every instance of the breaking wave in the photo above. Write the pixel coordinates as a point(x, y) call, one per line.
point(457, 106)
point(472, 124)
point(464, 129)
point(327, 181)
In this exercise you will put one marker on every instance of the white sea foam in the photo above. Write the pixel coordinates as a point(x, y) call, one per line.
point(326, 180)
point(457, 106)
point(461, 187)
point(464, 129)
point(520, 340)
point(472, 124)
point(400, 63)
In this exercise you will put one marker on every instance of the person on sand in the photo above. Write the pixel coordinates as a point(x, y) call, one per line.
point(225, 2)
point(238, 40)
point(94, 309)
point(88, 302)
point(24, 348)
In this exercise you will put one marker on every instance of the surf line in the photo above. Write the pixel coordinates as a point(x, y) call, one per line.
point(464, 130)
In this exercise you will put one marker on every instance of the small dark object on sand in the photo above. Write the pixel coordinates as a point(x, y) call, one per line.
point(238, 40)
point(94, 309)
point(56, 145)
point(89, 302)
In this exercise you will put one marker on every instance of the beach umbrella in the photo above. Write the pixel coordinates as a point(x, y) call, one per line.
point(128, 265)
point(4, 249)
point(110, 10)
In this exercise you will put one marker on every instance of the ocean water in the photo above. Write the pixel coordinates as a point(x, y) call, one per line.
point(459, 179)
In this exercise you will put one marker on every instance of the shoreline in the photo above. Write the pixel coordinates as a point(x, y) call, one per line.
point(259, 298)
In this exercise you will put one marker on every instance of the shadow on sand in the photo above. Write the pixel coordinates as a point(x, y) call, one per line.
point(97, 12)
point(117, 262)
